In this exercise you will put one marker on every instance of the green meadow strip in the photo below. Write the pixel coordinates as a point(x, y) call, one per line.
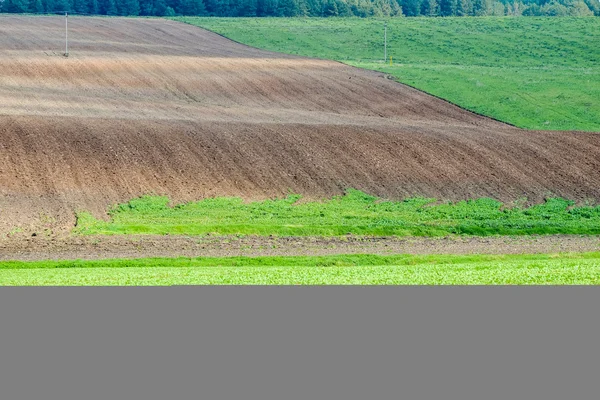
point(354, 213)
point(538, 269)
point(342, 260)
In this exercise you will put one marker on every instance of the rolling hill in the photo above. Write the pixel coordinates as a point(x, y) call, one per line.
point(155, 106)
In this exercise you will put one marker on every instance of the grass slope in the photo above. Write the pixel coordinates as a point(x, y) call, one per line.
point(353, 213)
point(582, 268)
point(536, 73)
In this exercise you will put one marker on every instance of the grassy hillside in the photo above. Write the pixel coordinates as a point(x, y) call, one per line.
point(355, 213)
point(536, 73)
point(537, 269)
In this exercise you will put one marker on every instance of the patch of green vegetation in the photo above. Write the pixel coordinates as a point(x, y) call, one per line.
point(538, 269)
point(354, 213)
point(536, 72)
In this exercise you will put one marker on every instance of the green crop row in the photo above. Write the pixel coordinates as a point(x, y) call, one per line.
point(538, 269)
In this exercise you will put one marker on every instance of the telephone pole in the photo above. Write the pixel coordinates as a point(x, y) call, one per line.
point(385, 42)
point(66, 34)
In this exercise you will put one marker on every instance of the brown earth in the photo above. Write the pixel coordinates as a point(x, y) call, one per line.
point(139, 246)
point(153, 106)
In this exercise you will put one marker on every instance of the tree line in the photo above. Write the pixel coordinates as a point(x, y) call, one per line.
point(308, 8)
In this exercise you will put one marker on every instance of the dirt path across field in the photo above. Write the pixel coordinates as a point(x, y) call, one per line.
point(98, 247)
point(154, 106)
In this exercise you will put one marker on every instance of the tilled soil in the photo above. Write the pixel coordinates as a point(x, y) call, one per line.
point(102, 247)
point(153, 106)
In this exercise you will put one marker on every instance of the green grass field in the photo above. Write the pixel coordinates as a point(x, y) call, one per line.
point(354, 213)
point(540, 269)
point(536, 73)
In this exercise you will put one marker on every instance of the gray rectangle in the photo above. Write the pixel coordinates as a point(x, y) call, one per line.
point(300, 343)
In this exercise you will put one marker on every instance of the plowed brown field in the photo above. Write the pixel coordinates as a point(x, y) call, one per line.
point(145, 105)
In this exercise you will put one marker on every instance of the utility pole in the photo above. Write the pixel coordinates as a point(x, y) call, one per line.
point(66, 34)
point(385, 42)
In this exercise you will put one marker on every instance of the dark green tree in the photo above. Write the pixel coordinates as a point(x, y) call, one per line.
point(330, 9)
point(314, 8)
point(594, 6)
point(223, 8)
point(411, 8)
point(302, 8)
point(36, 6)
point(160, 8)
point(266, 8)
point(343, 8)
point(464, 8)
point(62, 5)
point(191, 7)
point(481, 8)
point(129, 7)
point(111, 7)
point(94, 7)
point(430, 8)
point(146, 7)
point(211, 6)
point(287, 8)
point(48, 5)
point(15, 6)
point(80, 6)
point(448, 8)
point(247, 8)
